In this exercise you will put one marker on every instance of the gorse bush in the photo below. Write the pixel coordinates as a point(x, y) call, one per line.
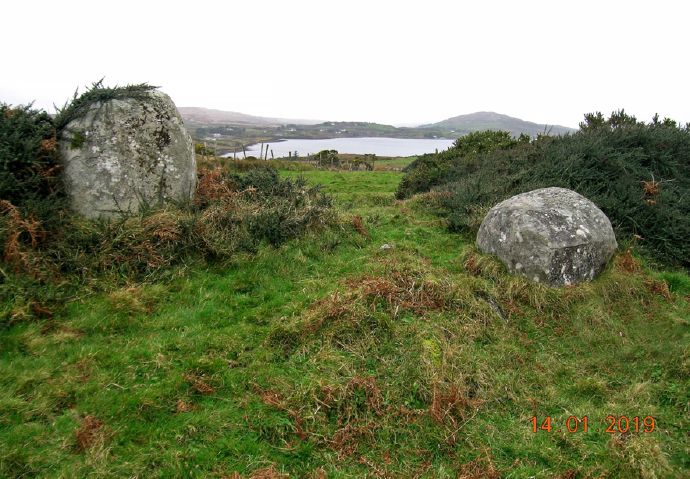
point(637, 173)
point(231, 214)
point(45, 250)
point(30, 180)
point(432, 169)
point(258, 207)
point(31, 193)
point(29, 164)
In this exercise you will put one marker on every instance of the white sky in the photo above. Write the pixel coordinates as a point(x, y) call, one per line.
point(396, 62)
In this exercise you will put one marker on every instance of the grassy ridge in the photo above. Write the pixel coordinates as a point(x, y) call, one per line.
point(331, 357)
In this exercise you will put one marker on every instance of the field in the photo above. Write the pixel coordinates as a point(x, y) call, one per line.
point(336, 356)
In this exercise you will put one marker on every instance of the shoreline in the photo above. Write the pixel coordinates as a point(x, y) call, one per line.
point(361, 145)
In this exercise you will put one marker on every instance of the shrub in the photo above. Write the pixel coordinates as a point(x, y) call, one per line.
point(637, 173)
point(29, 163)
point(202, 149)
point(430, 170)
point(258, 207)
point(231, 213)
point(327, 159)
point(44, 248)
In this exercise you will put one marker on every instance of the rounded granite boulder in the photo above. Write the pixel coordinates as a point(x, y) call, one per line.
point(123, 154)
point(551, 235)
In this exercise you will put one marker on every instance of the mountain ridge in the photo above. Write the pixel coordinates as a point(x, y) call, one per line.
point(451, 127)
point(214, 116)
point(489, 120)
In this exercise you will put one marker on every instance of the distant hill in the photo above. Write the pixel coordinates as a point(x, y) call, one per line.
point(487, 120)
point(210, 116)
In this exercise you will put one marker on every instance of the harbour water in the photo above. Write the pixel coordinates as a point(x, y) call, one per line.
point(360, 146)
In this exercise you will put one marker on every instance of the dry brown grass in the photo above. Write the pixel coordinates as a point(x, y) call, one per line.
point(641, 455)
point(335, 307)
point(651, 188)
point(353, 404)
point(358, 224)
point(212, 187)
point(89, 433)
point(20, 231)
point(404, 290)
point(269, 472)
point(659, 288)
point(371, 391)
point(480, 468)
point(275, 400)
point(480, 265)
point(370, 304)
point(40, 311)
point(626, 262)
point(49, 145)
point(183, 406)
point(163, 226)
point(346, 440)
point(376, 470)
point(199, 383)
point(450, 403)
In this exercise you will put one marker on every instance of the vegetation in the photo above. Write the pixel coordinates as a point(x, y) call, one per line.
point(274, 329)
point(332, 160)
point(80, 103)
point(49, 255)
point(231, 214)
point(637, 173)
point(328, 356)
point(202, 149)
point(29, 165)
point(432, 169)
point(231, 131)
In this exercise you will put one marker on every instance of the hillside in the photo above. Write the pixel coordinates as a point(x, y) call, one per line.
point(273, 329)
point(230, 131)
point(487, 120)
point(206, 121)
point(331, 357)
point(211, 116)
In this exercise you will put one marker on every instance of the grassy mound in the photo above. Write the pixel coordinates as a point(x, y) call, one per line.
point(637, 173)
point(47, 254)
point(331, 357)
point(231, 214)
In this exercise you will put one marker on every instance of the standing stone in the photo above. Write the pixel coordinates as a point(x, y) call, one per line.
point(550, 235)
point(123, 154)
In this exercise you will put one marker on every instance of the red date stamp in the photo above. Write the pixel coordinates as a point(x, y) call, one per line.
point(614, 424)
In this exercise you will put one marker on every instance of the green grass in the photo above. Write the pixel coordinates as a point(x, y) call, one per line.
point(332, 355)
point(396, 164)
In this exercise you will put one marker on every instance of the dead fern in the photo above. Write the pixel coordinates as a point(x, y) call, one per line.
point(20, 231)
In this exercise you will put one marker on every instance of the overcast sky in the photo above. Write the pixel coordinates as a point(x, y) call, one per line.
point(397, 62)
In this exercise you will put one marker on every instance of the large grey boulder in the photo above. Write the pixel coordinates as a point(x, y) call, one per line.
point(551, 235)
point(122, 154)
